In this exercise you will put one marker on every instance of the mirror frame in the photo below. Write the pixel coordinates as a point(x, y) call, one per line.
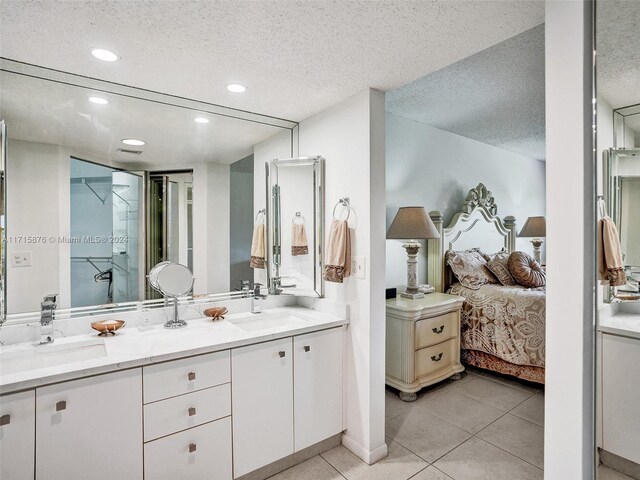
point(274, 222)
point(98, 85)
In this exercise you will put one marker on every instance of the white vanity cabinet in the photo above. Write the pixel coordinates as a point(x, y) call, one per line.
point(187, 423)
point(17, 435)
point(90, 428)
point(317, 384)
point(262, 385)
point(621, 396)
point(287, 395)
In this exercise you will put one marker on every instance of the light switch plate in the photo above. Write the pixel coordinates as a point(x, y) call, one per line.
point(358, 267)
point(21, 259)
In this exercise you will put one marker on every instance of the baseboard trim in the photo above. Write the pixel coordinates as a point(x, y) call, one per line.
point(620, 464)
point(368, 456)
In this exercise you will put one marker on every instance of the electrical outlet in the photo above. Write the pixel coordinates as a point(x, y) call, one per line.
point(358, 267)
point(21, 259)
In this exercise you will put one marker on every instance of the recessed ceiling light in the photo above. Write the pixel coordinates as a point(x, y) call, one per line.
point(201, 120)
point(104, 55)
point(98, 100)
point(236, 88)
point(133, 141)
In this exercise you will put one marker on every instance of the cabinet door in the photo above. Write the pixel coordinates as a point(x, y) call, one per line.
point(200, 453)
point(262, 401)
point(317, 386)
point(17, 435)
point(621, 396)
point(90, 428)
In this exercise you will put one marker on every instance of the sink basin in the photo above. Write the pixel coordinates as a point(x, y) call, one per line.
point(42, 356)
point(264, 321)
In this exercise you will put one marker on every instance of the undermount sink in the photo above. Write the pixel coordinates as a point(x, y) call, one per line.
point(267, 321)
point(50, 355)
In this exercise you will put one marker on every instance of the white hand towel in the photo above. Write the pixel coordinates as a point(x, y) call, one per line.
point(338, 260)
point(258, 247)
point(299, 245)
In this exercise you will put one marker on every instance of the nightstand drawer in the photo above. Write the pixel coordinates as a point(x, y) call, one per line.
point(432, 331)
point(431, 359)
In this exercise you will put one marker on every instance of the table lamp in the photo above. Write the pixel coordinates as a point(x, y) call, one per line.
point(534, 227)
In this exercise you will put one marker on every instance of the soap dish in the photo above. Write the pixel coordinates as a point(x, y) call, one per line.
point(106, 327)
point(216, 313)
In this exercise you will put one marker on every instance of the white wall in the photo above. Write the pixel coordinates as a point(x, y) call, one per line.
point(350, 136)
point(569, 417)
point(429, 167)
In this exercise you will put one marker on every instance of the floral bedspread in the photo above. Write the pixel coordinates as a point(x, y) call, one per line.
point(507, 322)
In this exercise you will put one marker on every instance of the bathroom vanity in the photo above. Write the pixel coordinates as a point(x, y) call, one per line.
point(214, 400)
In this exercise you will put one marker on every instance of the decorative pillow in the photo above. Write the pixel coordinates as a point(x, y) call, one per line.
point(526, 271)
point(470, 268)
point(499, 266)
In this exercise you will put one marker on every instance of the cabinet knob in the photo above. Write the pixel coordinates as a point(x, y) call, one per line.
point(438, 330)
point(436, 358)
point(192, 411)
point(61, 405)
point(192, 447)
point(307, 348)
point(282, 353)
point(191, 376)
point(5, 420)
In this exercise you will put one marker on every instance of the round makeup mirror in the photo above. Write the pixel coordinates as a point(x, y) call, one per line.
point(171, 280)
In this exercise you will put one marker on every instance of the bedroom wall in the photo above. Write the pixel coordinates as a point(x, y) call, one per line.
point(434, 168)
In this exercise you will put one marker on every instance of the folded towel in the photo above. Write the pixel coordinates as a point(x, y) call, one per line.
point(338, 259)
point(258, 248)
point(610, 264)
point(299, 245)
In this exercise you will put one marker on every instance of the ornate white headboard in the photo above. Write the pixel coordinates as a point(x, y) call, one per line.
point(476, 225)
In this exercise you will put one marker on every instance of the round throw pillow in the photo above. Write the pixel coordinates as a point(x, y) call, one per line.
point(526, 271)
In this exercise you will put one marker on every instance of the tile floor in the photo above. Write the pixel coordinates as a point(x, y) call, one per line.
point(480, 427)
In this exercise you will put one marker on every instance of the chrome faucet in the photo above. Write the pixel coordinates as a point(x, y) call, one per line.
point(255, 299)
point(47, 315)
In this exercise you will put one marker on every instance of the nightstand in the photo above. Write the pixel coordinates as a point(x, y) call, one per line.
point(423, 342)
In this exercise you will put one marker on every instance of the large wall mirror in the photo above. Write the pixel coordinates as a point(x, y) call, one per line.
point(103, 181)
point(617, 71)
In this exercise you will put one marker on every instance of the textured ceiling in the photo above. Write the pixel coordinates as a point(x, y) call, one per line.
point(295, 57)
point(495, 96)
point(618, 51)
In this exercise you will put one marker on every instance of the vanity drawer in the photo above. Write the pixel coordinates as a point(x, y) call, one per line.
point(186, 375)
point(432, 331)
point(199, 453)
point(434, 358)
point(186, 411)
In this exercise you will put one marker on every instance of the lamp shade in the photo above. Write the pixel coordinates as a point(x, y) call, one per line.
point(534, 227)
point(412, 223)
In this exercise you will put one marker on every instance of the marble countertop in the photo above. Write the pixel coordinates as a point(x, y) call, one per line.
point(132, 347)
point(626, 324)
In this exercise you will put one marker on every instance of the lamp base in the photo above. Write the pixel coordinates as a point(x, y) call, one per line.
point(413, 296)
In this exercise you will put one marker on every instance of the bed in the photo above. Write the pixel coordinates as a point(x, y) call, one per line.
point(502, 327)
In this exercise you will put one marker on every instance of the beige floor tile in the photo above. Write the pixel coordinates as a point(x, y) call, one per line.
point(519, 437)
point(531, 409)
point(478, 460)
point(401, 464)
point(431, 473)
point(525, 387)
point(493, 393)
point(424, 434)
point(315, 468)
point(462, 411)
point(394, 406)
point(606, 473)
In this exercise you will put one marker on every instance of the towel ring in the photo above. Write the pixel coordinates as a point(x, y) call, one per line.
point(344, 201)
point(258, 214)
point(297, 216)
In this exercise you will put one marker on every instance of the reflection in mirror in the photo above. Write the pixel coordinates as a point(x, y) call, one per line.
point(79, 191)
point(3, 250)
point(618, 316)
point(295, 217)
